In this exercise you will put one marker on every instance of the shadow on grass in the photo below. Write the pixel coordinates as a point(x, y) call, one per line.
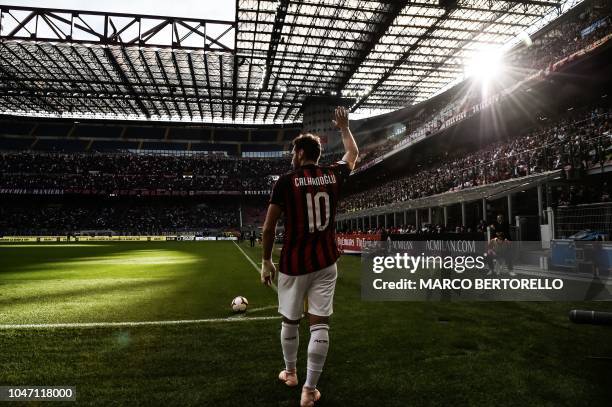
point(82, 292)
point(17, 259)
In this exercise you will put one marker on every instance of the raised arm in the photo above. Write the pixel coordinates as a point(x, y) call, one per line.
point(341, 121)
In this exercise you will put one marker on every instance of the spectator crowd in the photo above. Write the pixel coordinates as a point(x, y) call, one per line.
point(148, 219)
point(571, 145)
point(109, 172)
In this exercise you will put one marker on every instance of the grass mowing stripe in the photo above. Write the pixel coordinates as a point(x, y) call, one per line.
point(253, 263)
point(133, 324)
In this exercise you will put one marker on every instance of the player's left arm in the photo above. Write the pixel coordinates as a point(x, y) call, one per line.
point(268, 270)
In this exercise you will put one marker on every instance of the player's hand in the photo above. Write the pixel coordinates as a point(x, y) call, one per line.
point(341, 119)
point(268, 271)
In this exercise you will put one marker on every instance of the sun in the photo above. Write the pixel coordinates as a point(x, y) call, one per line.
point(485, 65)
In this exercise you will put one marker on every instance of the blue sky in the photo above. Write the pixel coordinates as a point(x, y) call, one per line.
point(209, 9)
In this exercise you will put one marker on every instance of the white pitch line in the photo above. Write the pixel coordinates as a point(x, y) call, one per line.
point(250, 311)
point(253, 263)
point(132, 324)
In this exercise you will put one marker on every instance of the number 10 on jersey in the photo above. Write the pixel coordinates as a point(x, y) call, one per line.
point(315, 205)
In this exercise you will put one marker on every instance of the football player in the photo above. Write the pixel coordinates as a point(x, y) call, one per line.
point(307, 198)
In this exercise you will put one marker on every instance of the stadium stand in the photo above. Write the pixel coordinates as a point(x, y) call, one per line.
point(125, 217)
point(104, 173)
point(108, 146)
point(581, 144)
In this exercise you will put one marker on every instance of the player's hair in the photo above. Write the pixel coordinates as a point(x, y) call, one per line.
point(310, 144)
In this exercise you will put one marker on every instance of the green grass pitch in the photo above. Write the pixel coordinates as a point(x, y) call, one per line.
point(382, 353)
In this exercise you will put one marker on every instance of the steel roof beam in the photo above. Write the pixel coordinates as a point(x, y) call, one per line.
point(358, 21)
point(125, 81)
point(402, 59)
point(91, 72)
point(341, 56)
point(290, 107)
point(491, 22)
point(375, 37)
point(208, 88)
point(70, 26)
point(60, 68)
point(252, 50)
point(160, 66)
point(235, 70)
point(150, 75)
point(41, 102)
point(380, 63)
point(460, 6)
point(180, 80)
point(135, 72)
point(367, 42)
point(19, 70)
point(222, 85)
point(277, 29)
point(107, 73)
point(195, 86)
point(11, 91)
point(365, 32)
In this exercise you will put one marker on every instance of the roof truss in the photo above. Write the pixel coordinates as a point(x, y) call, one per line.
point(257, 69)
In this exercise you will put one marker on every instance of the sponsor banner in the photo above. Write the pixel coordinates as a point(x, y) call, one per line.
point(33, 239)
point(124, 192)
point(353, 243)
point(110, 238)
point(597, 24)
point(132, 238)
point(266, 192)
point(24, 191)
point(450, 236)
point(123, 238)
point(129, 238)
point(113, 238)
point(18, 239)
point(52, 239)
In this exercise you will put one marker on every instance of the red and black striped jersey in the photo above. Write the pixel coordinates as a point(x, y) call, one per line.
point(308, 197)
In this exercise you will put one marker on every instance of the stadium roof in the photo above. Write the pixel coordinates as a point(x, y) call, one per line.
point(256, 69)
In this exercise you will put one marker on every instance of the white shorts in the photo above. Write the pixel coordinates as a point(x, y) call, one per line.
point(317, 287)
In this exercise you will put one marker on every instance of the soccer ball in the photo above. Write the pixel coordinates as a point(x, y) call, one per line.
point(239, 304)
